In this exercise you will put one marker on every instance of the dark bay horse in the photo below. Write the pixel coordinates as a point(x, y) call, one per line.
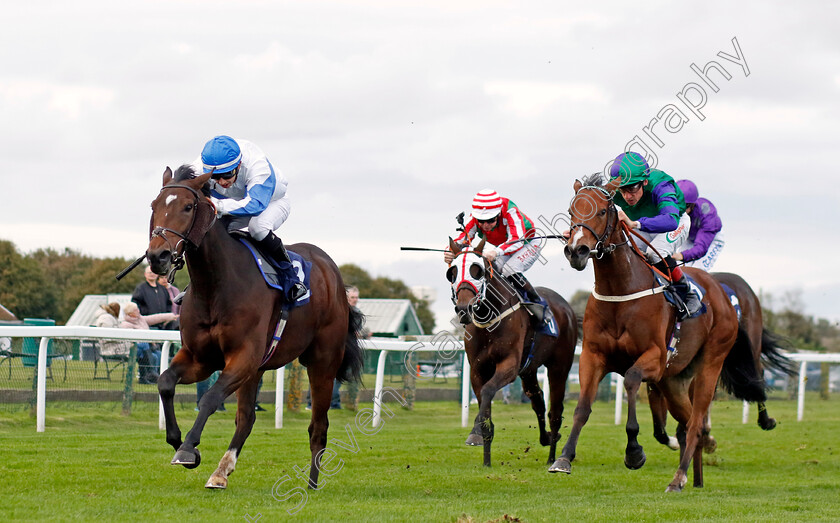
point(765, 349)
point(228, 320)
point(626, 327)
point(501, 343)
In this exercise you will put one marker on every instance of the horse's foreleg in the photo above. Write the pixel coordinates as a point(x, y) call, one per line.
point(182, 368)
point(591, 373)
point(230, 379)
point(659, 413)
point(245, 417)
point(474, 438)
point(505, 374)
point(646, 367)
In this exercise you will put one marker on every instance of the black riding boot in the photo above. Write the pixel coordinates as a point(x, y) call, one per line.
point(273, 246)
point(691, 302)
point(542, 314)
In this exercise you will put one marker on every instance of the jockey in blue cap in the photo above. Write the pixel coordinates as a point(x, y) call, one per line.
point(245, 187)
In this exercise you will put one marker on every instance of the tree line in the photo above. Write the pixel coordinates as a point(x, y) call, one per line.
point(48, 283)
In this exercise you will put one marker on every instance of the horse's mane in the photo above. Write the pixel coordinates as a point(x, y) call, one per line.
point(593, 180)
point(187, 172)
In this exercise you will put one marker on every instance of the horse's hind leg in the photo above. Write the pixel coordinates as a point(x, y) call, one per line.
point(764, 419)
point(245, 417)
point(557, 376)
point(659, 413)
point(535, 394)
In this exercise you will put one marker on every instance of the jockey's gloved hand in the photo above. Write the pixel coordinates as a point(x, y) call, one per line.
point(490, 253)
point(448, 257)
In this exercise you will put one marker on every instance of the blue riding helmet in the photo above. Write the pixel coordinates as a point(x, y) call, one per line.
point(221, 155)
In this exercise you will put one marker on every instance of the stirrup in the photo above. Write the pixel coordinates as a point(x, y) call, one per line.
point(297, 291)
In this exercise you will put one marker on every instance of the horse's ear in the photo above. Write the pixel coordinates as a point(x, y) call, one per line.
point(612, 185)
point(167, 175)
point(201, 180)
point(578, 185)
point(480, 247)
point(454, 247)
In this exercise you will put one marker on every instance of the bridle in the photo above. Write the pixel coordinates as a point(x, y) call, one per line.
point(204, 215)
point(601, 248)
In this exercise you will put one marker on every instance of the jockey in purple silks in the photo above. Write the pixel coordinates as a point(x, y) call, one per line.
point(705, 239)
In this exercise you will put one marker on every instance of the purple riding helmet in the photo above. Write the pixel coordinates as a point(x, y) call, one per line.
point(689, 191)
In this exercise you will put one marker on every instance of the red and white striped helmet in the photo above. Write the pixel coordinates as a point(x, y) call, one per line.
point(486, 204)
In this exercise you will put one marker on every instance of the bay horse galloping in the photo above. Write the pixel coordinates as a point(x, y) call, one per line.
point(228, 320)
point(763, 343)
point(501, 342)
point(626, 329)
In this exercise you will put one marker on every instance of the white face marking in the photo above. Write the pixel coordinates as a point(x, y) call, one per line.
point(170, 198)
point(578, 235)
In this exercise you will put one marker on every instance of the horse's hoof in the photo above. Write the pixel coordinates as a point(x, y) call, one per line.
point(770, 424)
point(673, 488)
point(561, 465)
point(216, 482)
point(635, 461)
point(475, 440)
point(710, 446)
point(673, 443)
point(187, 459)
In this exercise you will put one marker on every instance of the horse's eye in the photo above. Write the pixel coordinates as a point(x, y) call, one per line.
point(189, 207)
point(603, 212)
point(452, 274)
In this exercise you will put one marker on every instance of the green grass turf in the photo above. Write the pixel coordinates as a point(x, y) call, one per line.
point(92, 463)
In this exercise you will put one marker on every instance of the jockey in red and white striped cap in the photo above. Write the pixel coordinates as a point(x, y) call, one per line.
point(506, 229)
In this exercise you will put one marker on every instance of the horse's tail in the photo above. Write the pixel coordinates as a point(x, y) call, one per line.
point(740, 372)
point(351, 365)
point(772, 357)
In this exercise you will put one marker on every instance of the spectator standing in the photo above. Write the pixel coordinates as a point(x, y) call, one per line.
point(173, 291)
point(150, 297)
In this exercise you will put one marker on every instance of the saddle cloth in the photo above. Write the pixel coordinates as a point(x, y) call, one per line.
point(281, 280)
point(733, 298)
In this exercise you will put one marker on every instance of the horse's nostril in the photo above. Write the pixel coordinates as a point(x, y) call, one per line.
point(583, 251)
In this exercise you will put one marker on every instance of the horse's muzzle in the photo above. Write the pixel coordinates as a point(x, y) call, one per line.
point(577, 256)
point(463, 314)
point(160, 262)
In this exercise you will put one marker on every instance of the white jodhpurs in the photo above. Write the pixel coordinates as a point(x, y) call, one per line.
point(267, 221)
point(665, 243)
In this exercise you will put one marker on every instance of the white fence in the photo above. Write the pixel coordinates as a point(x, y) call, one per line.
point(447, 345)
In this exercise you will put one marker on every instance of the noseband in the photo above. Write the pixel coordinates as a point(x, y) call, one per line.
point(601, 248)
point(204, 215)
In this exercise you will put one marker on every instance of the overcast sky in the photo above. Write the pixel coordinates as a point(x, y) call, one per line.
point(387, 116)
